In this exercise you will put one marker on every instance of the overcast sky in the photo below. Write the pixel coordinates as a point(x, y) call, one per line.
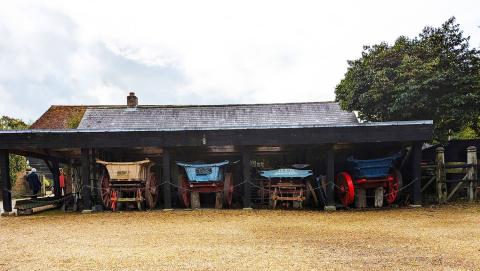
point(196, 52)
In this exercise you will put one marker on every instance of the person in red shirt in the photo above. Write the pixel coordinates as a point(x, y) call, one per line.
point(62, 182)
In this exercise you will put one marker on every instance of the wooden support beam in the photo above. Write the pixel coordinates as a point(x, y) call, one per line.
point(247, 178)
point(417, 173)
point(167, 194)
point(472, 173)
point(39, 155)
point(86, 191)
point(330, 178)
point(95, 194)
point(56, 179)
point(5, 184)
point(440, 176)
point(361, 133)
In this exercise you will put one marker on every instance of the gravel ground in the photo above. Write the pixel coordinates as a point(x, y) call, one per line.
point(445, 237)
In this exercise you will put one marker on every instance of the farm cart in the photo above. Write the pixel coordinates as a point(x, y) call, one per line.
point(128, 182)
point(285, 185)
point(378, 174)
point(206, 178)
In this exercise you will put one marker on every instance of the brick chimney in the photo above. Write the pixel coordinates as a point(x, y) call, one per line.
point(132, 100)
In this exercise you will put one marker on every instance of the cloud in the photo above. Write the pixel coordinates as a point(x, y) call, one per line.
point(195, 52)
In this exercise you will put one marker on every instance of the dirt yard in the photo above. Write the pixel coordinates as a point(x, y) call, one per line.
point(401, 239)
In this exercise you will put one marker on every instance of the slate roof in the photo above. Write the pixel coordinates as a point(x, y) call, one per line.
point(217, 117)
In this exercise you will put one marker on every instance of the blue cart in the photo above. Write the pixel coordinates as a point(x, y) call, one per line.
point(205, 178)
point(286, 185)
point(366, 174)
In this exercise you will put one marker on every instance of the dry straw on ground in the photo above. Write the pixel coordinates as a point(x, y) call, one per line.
point(401, 239)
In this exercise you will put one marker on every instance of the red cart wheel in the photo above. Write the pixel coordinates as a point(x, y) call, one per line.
point(151, 191)
point(183, 191)
point(104, 188)
point(344, 188)
point(113, 200)
point(228, 189)
point(393, 186)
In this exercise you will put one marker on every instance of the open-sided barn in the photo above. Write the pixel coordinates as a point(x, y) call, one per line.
point(317, 133)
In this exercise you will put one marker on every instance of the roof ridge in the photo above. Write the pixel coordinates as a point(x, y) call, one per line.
point(195, 105)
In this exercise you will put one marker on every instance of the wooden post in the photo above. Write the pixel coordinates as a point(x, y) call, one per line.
point(330, 206)
point(441, 176)
point(195, 200)
point(417, 173)
point(247, 171)
point(472, 173)
point(86, 191)
point(5, 184)
point(56, 179)
point(360, 198)
point(93, 176)
point(379, 194)
point(218, 200)
point(167, 195)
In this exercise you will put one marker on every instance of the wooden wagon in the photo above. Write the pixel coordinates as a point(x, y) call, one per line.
point(128, 182)
point(286, 185)
point(378, 174)
point(205, 178)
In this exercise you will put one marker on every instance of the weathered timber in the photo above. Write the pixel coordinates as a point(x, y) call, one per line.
point(55, 139)
point(416, 173)
point(247, 178)
point(330, 177)
point(5, 184)
point(472, 173)
point(86, 191)
point(441, 175)
point(167, 195)
point(55, 169)
point(454, 190)
point(432, 179)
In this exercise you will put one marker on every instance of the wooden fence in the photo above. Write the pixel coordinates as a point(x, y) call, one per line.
point(445, 186)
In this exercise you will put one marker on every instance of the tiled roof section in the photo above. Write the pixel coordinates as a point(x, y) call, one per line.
point(60, 117)
point(213, 117)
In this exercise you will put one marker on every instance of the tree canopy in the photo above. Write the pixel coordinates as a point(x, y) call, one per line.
point(433, 76)
point(17, 163)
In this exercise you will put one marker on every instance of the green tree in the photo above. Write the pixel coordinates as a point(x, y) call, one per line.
point(433, 76)
point(17, 163)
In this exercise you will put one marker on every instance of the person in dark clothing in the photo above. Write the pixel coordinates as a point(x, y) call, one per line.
point(34, 182)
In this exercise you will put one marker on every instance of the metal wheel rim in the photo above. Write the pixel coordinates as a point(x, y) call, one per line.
point(345, 189)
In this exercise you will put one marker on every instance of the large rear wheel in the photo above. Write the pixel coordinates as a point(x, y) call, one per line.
point(184, 191)
point(105, 191)
point(345, 189)
point(394, 186)
point(151, 191)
